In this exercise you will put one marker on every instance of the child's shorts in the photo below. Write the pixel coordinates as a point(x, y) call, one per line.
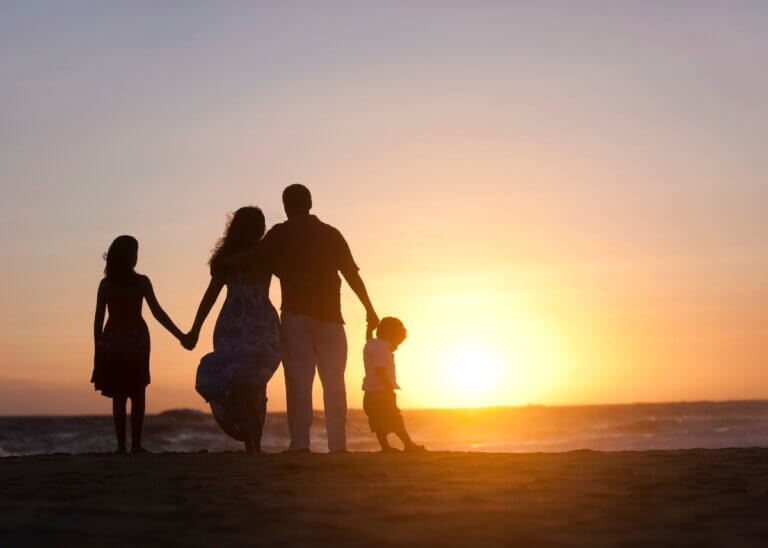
point(383, 414)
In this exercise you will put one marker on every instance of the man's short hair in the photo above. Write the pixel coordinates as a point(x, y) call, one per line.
point(297, 198)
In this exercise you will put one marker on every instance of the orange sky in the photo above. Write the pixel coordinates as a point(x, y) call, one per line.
point(563, 207)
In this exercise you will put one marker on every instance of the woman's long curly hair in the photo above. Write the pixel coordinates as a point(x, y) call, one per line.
point(121, 259)
point(244, 229)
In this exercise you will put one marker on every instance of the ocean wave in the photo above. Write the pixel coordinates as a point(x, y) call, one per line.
point(518, 429)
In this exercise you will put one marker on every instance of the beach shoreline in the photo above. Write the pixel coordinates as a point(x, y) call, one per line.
point(703, 497)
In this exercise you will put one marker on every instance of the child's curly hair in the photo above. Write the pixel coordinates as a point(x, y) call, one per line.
point(391, 329)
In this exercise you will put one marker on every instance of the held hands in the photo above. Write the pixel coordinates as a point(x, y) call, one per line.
point(372, 320)
point(189, 340)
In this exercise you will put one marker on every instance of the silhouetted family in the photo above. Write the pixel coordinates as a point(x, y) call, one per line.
point(249, 339)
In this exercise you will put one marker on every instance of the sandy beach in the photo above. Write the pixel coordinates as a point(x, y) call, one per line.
point(582, 498)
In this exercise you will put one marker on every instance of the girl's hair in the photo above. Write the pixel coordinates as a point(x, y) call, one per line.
point(244, 229)
point(391, 329)
point(121, 259)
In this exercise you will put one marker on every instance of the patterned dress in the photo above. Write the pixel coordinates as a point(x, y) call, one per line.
point(246, 353)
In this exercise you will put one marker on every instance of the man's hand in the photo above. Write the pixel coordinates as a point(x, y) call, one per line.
point(372, 319)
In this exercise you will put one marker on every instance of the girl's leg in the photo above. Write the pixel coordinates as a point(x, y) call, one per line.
point(137, 420)
point(118, 414)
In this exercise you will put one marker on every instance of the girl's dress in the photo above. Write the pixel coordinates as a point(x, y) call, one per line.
point(121, 362)
point(246, 353)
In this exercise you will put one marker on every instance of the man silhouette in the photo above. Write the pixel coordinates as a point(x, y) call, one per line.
point(307, 255)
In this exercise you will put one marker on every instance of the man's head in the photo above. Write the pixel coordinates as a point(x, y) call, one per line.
point(297, 200)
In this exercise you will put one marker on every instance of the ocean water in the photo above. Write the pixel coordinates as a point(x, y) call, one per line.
point(510, 429)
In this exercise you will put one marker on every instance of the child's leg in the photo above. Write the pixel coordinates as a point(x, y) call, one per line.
point(406, 439)
point(137, 420)
point(403, 435)
point(118, 414)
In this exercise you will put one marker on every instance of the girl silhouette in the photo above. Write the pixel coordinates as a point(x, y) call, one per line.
point(121, 364)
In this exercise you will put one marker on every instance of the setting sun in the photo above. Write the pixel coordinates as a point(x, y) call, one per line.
point(472, 370)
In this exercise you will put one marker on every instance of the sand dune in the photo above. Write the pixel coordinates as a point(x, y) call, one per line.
point(675, 498)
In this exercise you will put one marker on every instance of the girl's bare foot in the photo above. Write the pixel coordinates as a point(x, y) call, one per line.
point(413, 448)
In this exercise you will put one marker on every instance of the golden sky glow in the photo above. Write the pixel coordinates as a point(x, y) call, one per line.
point(562, 206)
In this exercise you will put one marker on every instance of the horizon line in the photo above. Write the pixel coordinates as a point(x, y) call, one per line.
point(468, 409)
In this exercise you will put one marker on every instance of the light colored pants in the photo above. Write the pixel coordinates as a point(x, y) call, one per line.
point(308, 343)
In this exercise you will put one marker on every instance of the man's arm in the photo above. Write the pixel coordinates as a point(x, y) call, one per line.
point(349, 270)
point(356, 283)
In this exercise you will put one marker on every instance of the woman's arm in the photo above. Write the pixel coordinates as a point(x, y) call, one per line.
point(207, 302)
point(101, 308)
point(158, 312)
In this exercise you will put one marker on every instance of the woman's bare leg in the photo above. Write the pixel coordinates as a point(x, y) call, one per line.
point(250, 409)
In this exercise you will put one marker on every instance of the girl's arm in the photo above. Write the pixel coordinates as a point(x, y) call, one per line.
point(207, 302)
point(101, 308)
point(158, 312)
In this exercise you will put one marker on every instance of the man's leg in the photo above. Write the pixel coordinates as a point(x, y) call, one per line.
point(298, 355)
point(331, 345)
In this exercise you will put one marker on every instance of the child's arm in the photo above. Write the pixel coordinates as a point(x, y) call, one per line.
point(101, 309)
point(158, 312)
point(369, 331)
point(207, 302)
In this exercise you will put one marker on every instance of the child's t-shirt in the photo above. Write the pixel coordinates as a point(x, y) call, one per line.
point(377, 353)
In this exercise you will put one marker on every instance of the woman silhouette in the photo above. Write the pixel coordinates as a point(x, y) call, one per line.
point(246, 341)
